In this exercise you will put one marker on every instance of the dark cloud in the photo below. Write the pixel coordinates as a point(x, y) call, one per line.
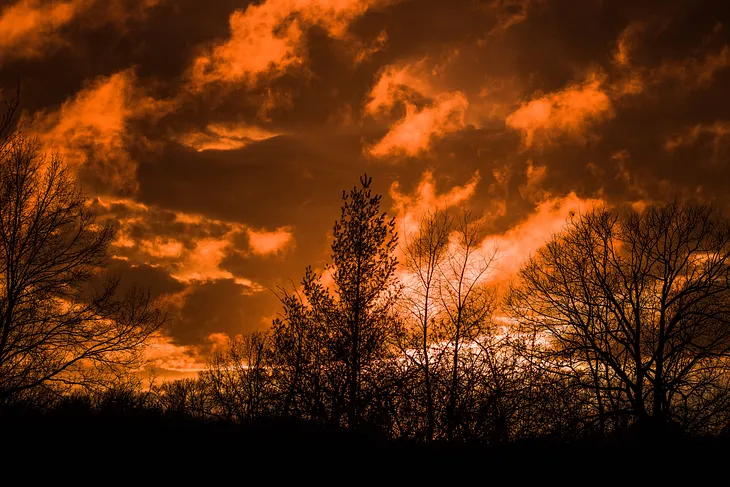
point(156, 280)
point(221, 306)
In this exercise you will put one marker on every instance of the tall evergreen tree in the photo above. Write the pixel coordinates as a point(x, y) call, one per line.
point(355, 313)
point(364, 266)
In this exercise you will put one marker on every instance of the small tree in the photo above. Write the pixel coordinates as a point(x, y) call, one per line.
point(636, 307)
point(55, 328)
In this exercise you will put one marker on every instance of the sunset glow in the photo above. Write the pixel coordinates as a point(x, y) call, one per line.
point(218, 136)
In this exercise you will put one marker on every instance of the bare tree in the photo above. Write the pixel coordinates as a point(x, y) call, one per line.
point(467, 305)
point(424, 253)
point(8, 118)
point(239, 377)
point(636, 307)
point(55, 328)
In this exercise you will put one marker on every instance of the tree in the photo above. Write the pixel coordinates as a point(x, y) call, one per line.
point(452, 345)
point(239, 377)
point(467, 305)
point(56, 328)
point(424, 253)
point(350, 325)
point(636, 307)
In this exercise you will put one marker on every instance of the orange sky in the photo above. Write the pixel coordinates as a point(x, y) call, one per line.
point(220, 134)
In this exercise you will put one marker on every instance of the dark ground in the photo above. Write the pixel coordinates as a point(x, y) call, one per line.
point(116, 447)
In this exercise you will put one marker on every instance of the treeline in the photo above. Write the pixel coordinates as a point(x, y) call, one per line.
point(620, 322)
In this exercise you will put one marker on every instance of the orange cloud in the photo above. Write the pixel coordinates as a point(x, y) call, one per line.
point(191, 247)
point(158, 247)
point(164, 356)
point(268, 38)
point(718, 131)
point(224, 137)
point(365, 53)
point(91, 128)
point(531, 190)
point(410, 208)
point(568, 111)
point(31, 28)
point(414, 134)
point(395, 83)
point(693, 73)
point(267, 243)
point(508, 13)
point(626, 43)
point(28, 27)
point(202, 263)
point(515, 245)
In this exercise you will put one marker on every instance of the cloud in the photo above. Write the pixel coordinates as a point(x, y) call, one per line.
point(508, 13)
point(430, 112)
point(532, 189)
point(33, 28)
point(220, 306)
point(190, 247)
point(626, 43)
point(718, 134)
point(171, 360)
point(269, 38)
point(266, 243)
point(410, 208)
point(91, 130)
point(224, 136)
point(29, 27)
point(690, 73)
point(693, 73)
point(569, 111)
point(514, 246)
point(396, 84)
point(414, 133)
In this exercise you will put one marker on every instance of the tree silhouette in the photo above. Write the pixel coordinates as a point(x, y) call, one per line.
point(56, 330)
point(238, 377)
point(424, 253)
point(636, 307)
point(349, 325)
point(468, 305)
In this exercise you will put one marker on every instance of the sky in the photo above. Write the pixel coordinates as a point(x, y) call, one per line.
point(220, 134)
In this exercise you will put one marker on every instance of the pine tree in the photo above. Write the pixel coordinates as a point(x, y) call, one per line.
point(354, 315)
point(363, 275)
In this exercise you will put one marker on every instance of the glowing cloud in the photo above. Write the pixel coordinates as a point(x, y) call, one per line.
point(224, 137)
point(625, 44)
point(691, 73)
point(267, 243)
point(163, 355)
point(189, 246)
point(393, 85)
point(269, 38)
point(203, 262)
point(414, 133)
point(569, 111)
point(410, 208)
point(516, 244)
point(28, 27)
point(92, 128)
